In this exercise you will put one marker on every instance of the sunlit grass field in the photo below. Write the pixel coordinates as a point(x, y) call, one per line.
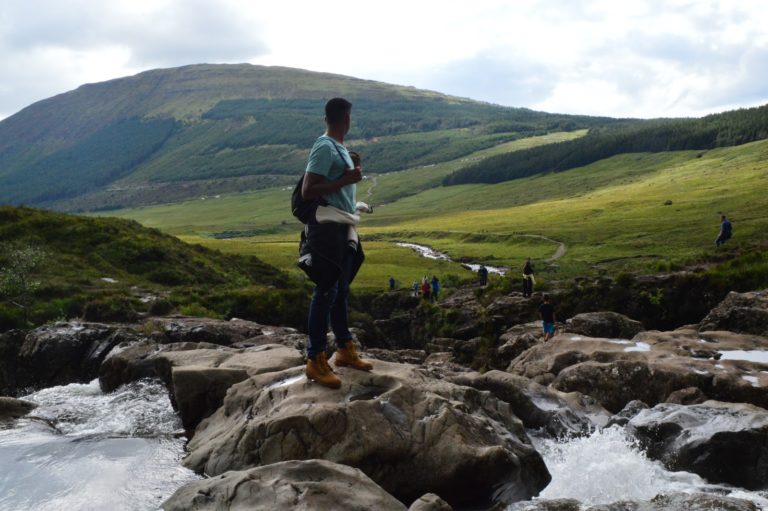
point(633, 212)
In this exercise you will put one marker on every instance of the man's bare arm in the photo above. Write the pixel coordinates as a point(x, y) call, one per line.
point(315, 186)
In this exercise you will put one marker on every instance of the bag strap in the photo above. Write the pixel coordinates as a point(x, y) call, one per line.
point(340, 153)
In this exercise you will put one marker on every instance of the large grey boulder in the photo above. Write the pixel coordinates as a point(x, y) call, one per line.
point(67, 352)
point(213, 331)
point(604, 324)
point(740, 312)
point(538, 406)
point(722, 442)
point(409, 431)
point(291, 485)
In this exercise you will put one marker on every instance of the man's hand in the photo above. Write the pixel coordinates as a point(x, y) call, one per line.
point(352, 175)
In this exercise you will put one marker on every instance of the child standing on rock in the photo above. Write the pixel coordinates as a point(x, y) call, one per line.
point(547, 312)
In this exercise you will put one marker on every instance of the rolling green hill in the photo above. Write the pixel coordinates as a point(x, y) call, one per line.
point(172, 134)
point(107, 268)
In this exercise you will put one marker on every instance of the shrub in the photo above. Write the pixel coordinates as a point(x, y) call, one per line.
point(111, 309)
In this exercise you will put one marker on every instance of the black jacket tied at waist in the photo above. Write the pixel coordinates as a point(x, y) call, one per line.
point(329, 244)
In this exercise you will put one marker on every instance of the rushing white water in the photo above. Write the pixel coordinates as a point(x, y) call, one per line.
point(608, 466)
point(760, 356)
point(90, 450)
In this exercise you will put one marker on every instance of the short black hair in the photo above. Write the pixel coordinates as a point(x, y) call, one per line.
point(546, 298)
point(336, 109)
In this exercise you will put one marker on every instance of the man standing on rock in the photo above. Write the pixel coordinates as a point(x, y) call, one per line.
point(336, 250)
point(547, 312)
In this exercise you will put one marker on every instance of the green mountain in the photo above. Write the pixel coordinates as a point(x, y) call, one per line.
point(55, 265)
point(172, 134)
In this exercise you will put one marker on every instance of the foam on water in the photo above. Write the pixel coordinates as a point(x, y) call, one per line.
point(609, 466)
point(104, 451)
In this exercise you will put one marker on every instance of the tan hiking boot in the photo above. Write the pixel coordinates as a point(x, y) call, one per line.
point(319, 371)
point(347, 356)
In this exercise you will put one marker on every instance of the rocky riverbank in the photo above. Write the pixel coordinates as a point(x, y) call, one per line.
point(423, 429)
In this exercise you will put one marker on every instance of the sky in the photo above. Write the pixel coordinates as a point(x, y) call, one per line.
point(617, 58)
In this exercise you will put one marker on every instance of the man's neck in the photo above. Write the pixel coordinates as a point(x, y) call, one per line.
point(336, 133)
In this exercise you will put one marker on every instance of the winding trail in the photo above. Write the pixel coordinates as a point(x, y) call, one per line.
point(560, 252)
point(375, 180)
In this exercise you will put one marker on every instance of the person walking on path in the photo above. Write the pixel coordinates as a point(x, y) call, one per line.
point(415, 288)
point(547, 313)
point(528, 280)
point(337, 254)
point(726, 230)
point(482, 272)
point(391, 283)
point(435, 288)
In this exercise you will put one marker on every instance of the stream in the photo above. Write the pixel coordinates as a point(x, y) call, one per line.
point(429, 253)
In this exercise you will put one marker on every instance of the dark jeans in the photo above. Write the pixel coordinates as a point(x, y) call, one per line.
point(330, 304)
point(527, 287)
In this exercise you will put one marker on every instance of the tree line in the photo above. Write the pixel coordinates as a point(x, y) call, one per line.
point(658, 135)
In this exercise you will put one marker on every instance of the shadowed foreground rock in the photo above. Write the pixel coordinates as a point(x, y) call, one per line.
point(408, 431)
point(296, 485)
point(722, 442)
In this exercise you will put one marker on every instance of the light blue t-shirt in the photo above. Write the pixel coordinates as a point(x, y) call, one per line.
point(325, 160)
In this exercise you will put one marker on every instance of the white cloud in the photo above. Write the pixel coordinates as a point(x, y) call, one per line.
point(642, 58)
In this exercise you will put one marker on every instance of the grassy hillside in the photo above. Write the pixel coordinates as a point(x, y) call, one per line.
point(106, 268)
point(643, 212)
point(131, 140)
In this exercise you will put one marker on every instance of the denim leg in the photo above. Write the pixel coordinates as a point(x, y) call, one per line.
point(319, 309)
point(339, 318)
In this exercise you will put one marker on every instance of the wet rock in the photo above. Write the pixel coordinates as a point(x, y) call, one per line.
point(722, 442)
point(430, 502)
point(12, 408)
point(604, 324)
point(740, 312)
point(196, 374)
point(408, 431)
point(630, 410)
point(440, 344)
point(299, 485)
point(538, 406)
point(67, 352)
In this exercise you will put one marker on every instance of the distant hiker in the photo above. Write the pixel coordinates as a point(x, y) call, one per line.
point(334, 244)
point(725, 231)
point(528, 280)
point(482, 272)
point(435, 288)
point(415, 288)
point(391, 283)
point(547, 313)
point(425, 289)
